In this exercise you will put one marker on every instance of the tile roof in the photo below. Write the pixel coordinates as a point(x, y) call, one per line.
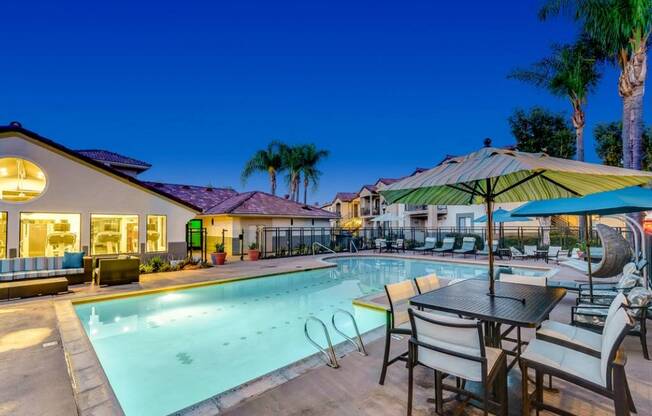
point(346, 196)
point(203, 197)
point(112, 157)
point(262, 203)
point(371, 188)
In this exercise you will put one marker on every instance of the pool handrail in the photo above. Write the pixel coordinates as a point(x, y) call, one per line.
point(359, 345)
point(329, 352)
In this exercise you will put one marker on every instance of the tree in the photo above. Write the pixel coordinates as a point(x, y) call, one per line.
point(310, 158)
point(268, 160)
point(292, 157)
point(569, 72)
point(622, 29)
point(609, 146)
point(540, 130)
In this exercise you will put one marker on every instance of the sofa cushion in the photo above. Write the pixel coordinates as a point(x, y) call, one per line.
point(29, 264)
point(19, 275)
point(6, 276)
point(77, 270)
point(6, 266)
point(41, 263)
point(73, 260)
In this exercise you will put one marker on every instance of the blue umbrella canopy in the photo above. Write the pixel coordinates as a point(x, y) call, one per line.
point(502, 215)
point(621, 201)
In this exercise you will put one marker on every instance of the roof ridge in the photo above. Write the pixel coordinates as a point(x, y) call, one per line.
point(239, 204)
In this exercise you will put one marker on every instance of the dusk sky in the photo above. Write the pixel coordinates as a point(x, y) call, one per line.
point(196, 87)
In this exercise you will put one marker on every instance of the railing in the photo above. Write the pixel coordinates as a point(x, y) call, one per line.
point(328, 352)
point(298, 241)
point(367, 211)
point(413, 207)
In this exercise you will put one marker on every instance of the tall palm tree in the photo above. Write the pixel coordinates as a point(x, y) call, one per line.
point(292, 157)
point(268, 160)
point(622, 29)
point(310, 158)
point(569, 72)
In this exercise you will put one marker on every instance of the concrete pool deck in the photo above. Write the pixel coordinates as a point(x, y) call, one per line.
point(49, 391)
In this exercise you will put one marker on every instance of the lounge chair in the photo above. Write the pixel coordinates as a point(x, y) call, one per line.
point(516, 254)
point(553, 253)
point(447, 246)
point(530, 251)
point(468, 247)
point(429, 245)
point(485, 250)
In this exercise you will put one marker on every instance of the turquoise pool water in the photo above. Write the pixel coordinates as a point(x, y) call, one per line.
point(163, 352)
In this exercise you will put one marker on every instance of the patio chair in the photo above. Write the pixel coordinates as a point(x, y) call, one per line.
point(571, 336)
point(447, 246)
point(516, 254)
point(427, 283)
point(468, 247)
point(605, 292)
point(454, 346)
point(553, 253)
point(485, 249)
point(397, 319)
point(429, 245)
point(399, 244)
point(380, 243)
point(530, 251)
point(604, 376)
point(594, 316)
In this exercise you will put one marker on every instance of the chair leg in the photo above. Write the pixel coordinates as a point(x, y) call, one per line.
point(621, 399)
point(538, 389)
point(630, 399)
point(439, 397)
point(524, 390)
point(410, 380)
point(643, 336)
point(502, 381)
point(388, 341)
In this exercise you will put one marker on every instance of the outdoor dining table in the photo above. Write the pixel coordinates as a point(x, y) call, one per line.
point(516, 305)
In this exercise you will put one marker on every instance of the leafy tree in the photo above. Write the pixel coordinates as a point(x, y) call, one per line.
point(622, 28)
point(539, 130)
point(609, 146)
point(569, 72)
point(268, 160)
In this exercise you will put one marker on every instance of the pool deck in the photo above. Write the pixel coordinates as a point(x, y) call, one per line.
point(35, 378)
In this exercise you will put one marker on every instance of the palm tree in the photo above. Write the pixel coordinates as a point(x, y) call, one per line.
point(569, 72)
point(622, 29)
point(310, 158)
point(268, 160)
point(292, 158)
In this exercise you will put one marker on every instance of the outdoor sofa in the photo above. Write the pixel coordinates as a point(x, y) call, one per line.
point(117, 271)
point(75, 267)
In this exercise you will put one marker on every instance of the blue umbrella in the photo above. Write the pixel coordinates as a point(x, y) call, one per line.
point(502, 215)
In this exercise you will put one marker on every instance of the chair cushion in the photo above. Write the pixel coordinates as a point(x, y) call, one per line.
point(41, 263)
point(73, 260)
point(6, 266)
point(29, 264)
point(565, 360)
point(571, 334)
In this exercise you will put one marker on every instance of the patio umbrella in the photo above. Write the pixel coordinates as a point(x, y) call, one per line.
point(492, 175)
point(621, 201)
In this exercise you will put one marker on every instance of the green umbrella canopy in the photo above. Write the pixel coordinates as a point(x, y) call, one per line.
point(515, 177)
point(492, 175)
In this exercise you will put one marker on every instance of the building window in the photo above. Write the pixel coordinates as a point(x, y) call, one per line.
point(20, 180)
point(114, 234)
point(48, 234)
point(3, 235)
point(157, 238)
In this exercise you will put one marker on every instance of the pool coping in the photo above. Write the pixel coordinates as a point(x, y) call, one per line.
point(92, 390)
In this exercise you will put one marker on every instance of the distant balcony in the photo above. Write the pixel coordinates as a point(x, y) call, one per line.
point(415, 207)
point(442, 209)
point(369, 212)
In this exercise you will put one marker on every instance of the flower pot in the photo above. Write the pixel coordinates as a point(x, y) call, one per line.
point(218, 258)
point(254, 254)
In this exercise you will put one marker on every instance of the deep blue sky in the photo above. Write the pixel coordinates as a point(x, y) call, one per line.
point(195, 87)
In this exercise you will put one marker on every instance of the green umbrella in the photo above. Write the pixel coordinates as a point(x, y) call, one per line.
point(501, 175)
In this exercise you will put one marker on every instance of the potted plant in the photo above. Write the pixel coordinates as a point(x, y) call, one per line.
point(253, 253)
point(219, 256)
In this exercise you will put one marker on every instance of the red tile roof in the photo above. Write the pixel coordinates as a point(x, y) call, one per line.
point(203, 197)
point(112, 157)
point(346, 196)
point(264, 204)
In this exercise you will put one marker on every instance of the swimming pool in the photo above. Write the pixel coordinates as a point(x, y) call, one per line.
point(163, 352)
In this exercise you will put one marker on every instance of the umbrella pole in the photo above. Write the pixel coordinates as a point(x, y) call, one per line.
point(587, 237)
point(490, 237)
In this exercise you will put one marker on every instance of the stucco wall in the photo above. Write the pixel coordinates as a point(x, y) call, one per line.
point(75, 187)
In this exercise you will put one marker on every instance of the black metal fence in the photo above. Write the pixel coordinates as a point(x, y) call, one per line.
point(297, 241)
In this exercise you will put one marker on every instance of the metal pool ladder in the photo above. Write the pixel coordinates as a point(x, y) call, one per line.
point(329, 351)
point(357, 342)
point(321, 246)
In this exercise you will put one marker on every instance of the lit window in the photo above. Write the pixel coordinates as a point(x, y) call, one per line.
point(20, 180)
point(3, 235)
point(114, 234)
point(48, 234)
point(157, 239)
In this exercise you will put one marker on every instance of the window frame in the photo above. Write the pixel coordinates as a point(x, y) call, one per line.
point(46, 178)
point(90, 234)
point(20, 228)
point(6, 240)
point(166, 232)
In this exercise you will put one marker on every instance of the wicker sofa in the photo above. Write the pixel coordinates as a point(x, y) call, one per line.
point(30, 268)
point(117, 271)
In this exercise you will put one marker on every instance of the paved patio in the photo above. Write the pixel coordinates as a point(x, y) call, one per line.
point(35, 379)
